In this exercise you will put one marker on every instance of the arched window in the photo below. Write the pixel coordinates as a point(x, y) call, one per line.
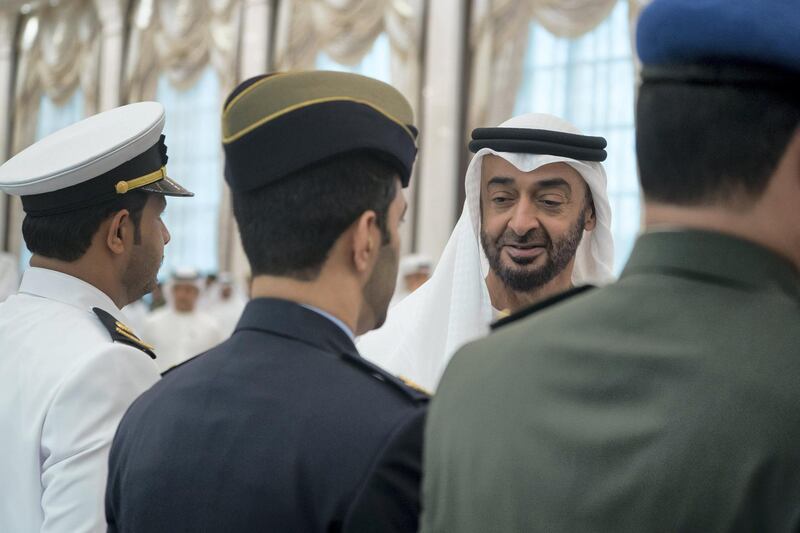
point(589, 81)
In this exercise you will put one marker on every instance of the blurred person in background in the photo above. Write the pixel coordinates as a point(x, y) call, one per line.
point(227, 306)
point(415, 270)
point(179, 330)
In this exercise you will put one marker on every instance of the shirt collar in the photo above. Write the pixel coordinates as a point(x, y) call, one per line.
point(290, 319)
point(68, 290)
point(333, 319)
point(713, 255)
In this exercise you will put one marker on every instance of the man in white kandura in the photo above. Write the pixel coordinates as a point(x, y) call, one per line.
point(536, 222)
point(414, 271)
point(93, 194)
point(179, 330)
point(225, 303)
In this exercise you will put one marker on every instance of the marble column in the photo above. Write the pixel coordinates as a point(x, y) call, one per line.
point(256, 40)
point(440, 150)
point(112, 21)
point(8, 20)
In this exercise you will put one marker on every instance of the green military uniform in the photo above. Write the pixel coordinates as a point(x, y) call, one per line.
point(665, 402)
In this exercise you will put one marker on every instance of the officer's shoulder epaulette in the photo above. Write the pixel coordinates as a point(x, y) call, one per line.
point(538, 306)
point(121, 333)
point(410, 389)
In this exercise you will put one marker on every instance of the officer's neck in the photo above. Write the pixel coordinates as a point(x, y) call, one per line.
point(92, 270)
point(763, 227)
point(770, 219)
point(339, 297)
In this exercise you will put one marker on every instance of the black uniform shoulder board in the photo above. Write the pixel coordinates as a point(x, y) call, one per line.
point(122, 333)
point(538, 306)
point(408, 388)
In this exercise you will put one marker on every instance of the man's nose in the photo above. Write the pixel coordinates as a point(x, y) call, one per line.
point(524, 218)
point(165, 234)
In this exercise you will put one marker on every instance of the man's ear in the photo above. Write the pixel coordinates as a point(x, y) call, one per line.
point(591, 216)
point(366, 241)
point(591, 221)
point(119, 233)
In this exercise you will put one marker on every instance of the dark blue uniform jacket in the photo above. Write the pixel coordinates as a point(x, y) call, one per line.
point(283, 427)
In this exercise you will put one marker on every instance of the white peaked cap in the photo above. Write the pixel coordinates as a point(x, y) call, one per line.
point(93, 161)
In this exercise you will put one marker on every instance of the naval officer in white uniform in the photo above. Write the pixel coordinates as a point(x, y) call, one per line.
point(93, 194)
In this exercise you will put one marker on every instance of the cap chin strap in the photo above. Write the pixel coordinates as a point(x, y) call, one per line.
point(124, 186)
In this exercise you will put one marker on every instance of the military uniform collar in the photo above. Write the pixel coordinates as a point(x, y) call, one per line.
point(295, 321)
point(69, 290)
point(290, 319)
point(712, 255)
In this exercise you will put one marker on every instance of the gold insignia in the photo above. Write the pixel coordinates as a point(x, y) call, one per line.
point(127, 332)
point(157, 175)
point(411, 385)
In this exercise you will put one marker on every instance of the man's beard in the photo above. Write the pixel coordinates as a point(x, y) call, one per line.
point(559, 255)
point(381, 284)
point(140, 277)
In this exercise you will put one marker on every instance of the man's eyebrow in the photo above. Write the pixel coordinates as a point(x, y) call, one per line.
point(553, 182)
point(500, 180)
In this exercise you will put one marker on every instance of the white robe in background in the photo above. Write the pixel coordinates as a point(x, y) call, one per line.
point(177, 337)
point(135, 313)
point(425, 329)
point(227, 312)
point(9, 275)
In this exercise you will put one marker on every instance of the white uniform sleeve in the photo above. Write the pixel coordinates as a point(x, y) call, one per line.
point(77, 434)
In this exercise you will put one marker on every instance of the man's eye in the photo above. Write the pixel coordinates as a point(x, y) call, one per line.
point(500, 200)
point(552, 203)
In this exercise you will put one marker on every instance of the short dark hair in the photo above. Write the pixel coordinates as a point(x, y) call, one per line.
point(67, 236)
point(702, 144)
point(289, 227)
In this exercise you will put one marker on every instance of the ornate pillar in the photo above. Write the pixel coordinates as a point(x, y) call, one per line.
point(8, 20)
point(257, 18)
point(440, 150)
point(112, 21)
point(254, 59)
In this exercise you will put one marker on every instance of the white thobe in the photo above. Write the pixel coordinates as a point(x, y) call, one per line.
point(178, 336)
point(227, 313)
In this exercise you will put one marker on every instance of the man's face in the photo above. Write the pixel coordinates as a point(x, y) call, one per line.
point(226, 292)
point(184, 296)
point(531, 222)
point(148, 250)
point(380, 286)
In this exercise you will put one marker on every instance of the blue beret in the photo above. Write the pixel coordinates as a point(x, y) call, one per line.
point(678, 32)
